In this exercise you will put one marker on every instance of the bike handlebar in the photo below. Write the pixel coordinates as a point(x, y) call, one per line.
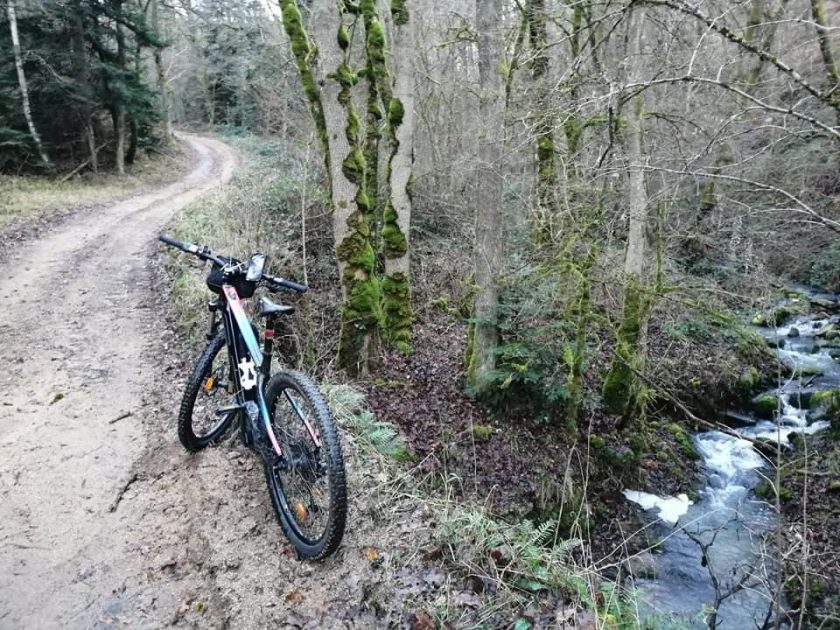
point(285, 284)
point(274, 282)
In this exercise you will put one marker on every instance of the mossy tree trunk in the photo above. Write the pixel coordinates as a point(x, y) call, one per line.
point(620, 386)
point(396, 218)
point(832, 69)
point(547, 181)
point(484, 335)
point(573, 127)
point(338, 126)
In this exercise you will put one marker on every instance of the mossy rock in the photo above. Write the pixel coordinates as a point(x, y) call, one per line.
point(765, 405)
point(749, 381)
point(765, 490)
point(822, 303)
point(760, 319)
point(829, 332)
point(781, 315)
point(809, 370)
point(683, 440)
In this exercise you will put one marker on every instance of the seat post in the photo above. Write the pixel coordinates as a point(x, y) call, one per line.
point(268, 344)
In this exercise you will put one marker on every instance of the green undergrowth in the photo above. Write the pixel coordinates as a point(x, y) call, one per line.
point(347, 404)
point(258, 210)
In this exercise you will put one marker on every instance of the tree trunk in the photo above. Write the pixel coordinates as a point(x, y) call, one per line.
point(620, 387)
point(81, 70)
point(353, 207)
point(488, 191)
point(396, 286)
point(118, 115)
point(131, 153)
point(24, 90)
point(547, 183)
point(160, 75)
point(832, 70)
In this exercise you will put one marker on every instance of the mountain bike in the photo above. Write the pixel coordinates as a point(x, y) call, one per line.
point(281, 416)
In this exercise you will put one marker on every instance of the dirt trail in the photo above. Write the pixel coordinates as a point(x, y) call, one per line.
point(104, 520)
point(73, 329)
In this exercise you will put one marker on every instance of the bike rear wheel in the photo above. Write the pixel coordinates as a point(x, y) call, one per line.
point(307, 485)
point(208, 390)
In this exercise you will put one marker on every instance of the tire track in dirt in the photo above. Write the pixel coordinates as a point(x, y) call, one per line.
point(75, 345)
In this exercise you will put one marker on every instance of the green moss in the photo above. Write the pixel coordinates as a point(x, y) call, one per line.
point(345, 76)
point(765, 406)
point(394, 242)
point(343, 37)
point(749, 381)
point(597, 443)
point(399, 11)
point(354, 166)
point(618, 391)
point(545, 155)
point(482, 431)
point(767, 490)
point(396, 306)
point(304, 52)
point(351, 131)
point(573, 131)
point(357, 251)
point(683, 440)
point(396, 113)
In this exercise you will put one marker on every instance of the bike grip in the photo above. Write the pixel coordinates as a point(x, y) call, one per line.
point(294, 286)
point(171, 241)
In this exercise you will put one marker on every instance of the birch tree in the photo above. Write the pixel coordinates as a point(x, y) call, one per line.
point(24, 90)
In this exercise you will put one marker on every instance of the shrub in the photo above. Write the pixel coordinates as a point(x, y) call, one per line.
point(825, 272)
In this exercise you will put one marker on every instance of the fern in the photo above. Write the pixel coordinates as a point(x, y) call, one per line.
point(347, 405)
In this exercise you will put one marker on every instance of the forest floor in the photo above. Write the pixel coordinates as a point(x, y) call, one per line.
point(106, 522)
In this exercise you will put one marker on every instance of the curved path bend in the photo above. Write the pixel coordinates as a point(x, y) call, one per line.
point(75, 337)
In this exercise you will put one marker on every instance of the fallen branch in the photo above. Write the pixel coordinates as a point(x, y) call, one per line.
point(122, 416)
point(83, 164)
point(113, 508)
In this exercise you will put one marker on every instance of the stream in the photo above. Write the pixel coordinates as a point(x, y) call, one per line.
point(727, 508)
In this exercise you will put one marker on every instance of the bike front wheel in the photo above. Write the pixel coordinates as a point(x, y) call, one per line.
point(307, 484)
point(209, 390)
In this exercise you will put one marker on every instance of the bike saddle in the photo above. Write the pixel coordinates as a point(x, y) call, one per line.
point(267, 307)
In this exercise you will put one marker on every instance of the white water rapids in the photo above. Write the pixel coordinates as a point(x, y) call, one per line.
point(727, 508)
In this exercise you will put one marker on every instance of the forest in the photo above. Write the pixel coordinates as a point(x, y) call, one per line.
point(574, 272)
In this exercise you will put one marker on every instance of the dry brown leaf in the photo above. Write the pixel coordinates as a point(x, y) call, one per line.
point(421, 621)
point(371, 554)
point(294, 597)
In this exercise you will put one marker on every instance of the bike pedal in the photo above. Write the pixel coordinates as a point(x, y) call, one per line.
point(228, 409)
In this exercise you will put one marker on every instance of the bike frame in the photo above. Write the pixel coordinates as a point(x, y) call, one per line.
point(250, 365)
